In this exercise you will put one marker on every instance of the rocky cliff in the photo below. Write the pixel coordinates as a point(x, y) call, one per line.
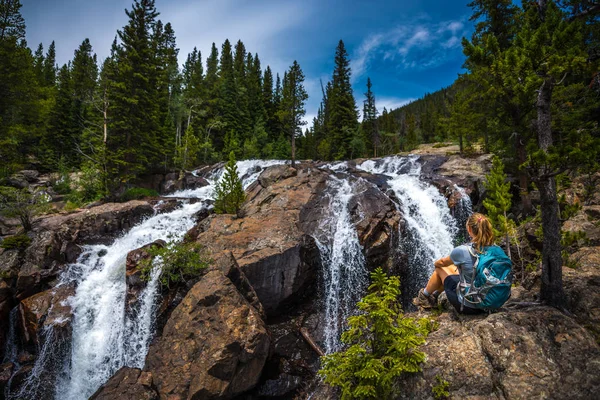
point(251, 326)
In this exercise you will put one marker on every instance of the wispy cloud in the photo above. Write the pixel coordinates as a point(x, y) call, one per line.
point(421, 44)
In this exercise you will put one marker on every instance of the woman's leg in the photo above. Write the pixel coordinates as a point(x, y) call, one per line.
point(436, 281)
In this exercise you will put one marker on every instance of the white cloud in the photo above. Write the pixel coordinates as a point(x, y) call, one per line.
point(419, 44)
point(391, 103)
point(199, 24)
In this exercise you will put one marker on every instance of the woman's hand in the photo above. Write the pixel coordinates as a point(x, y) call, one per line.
point(443, 262)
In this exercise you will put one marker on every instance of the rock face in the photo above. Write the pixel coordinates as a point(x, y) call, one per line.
point(127, 384)
point(279, 259)
point(133, 275)
point(56, 240)
point(213, 346)
point(46, 309)
point(534, 353)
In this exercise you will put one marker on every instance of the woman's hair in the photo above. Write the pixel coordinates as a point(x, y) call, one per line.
point(482, 230)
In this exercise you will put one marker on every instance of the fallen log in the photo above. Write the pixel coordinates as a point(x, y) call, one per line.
point(311, 342)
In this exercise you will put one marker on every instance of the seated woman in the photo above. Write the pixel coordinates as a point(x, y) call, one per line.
point(458, 267)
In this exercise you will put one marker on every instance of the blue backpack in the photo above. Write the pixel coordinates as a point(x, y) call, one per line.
point(491, 280)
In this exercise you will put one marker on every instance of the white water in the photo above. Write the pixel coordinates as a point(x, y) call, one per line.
point(430, 226)
point(462, 211)
point(345, 275)
point(105, 337)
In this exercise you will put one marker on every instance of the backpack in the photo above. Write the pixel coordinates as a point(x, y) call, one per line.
point(491, 280)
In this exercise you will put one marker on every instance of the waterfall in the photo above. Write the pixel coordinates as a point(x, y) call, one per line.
point(462, 211)
point(345, 276)
point(430, 228)
point(10, 349)
point(105, 337)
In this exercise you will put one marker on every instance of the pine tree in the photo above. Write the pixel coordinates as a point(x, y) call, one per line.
point(50, 66)
point(21, 113)
point(370, 119)
point(229, 193)
point(12, 24)
point(134, 145)
point(498, 202)
point(341, 106)
point(227, 102)
point(382, 345)
point(292, 103)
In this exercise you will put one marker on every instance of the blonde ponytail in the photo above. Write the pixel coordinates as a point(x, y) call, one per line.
point(483, 234)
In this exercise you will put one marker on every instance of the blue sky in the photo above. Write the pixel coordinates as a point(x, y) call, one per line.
point(408, 48)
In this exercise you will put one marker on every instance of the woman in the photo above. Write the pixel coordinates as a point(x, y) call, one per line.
point(459, 264)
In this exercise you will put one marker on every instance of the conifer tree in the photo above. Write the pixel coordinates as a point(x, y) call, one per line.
point(292, 103)
point(370, 119)
point(20, 114)
point(229, 193)
point(227, 102)
point(50, 66)
point(382, 345)
point(12, 24)
point(134, 145)
point(498, 202)
point(341, 106)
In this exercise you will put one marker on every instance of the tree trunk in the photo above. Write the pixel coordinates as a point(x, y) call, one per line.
point(293, 150)
point(105, 113)
point(460, 143)
point(552, 288)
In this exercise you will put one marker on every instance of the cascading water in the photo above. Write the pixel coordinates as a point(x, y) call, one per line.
point(461, 211)
point(345, 275)
point(430, 227)
point(104, 336)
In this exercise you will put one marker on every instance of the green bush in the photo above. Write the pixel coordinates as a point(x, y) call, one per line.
point(382, 344)
point(440, 390)
point(138, 193)
point(179, 261)
point(20, 242)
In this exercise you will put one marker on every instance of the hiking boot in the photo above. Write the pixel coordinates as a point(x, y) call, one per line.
point(425, 302)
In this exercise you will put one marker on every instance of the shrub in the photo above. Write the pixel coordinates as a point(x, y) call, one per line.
point(138, 193)
point(382, 344)
point(179, 261)
point(229, 193)
point(20, 242)
point(440, 390)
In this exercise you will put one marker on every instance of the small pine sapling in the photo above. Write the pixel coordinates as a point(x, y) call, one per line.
point(229, 193)
point(382, 344)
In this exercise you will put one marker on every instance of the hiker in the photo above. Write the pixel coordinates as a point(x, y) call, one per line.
point(455, 273)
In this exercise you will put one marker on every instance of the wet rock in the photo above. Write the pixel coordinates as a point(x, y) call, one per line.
point(281, 386)
point(214, 345)
point(376, 219)
point(6, 371)
point(127, 384)
point(534, 353)
point(46, 309)
point(133, 274)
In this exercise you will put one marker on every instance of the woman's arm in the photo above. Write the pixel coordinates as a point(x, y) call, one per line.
point(443, 262)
